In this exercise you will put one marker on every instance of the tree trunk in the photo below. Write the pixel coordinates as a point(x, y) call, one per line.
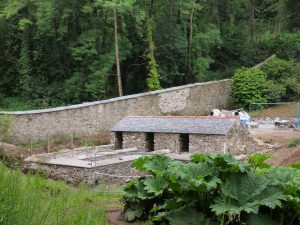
point(117, 54)
point(190, 72)
point(215, 12)
point(252, 18)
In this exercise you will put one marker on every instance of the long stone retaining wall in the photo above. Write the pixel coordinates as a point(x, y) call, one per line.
point(99, 117)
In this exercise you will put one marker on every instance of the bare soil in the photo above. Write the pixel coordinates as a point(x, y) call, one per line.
point(115, 218)
point(276, 143)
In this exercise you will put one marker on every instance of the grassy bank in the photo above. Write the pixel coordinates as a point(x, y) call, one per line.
point(34, 200)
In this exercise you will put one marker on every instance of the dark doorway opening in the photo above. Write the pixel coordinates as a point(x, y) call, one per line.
point(184, 142)
point(119, 140)
point(150, 142)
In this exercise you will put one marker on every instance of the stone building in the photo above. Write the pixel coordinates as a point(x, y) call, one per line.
point(181, 134)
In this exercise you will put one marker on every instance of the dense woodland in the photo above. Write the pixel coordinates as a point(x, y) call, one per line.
point(55, 52)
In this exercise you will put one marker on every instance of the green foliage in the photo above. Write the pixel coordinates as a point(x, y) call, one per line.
point(246, 193)
point(278, 69)
point(248, 86)
point(153, 82)
point(213, 189)
point(258, 160)
point(188, 215)
point(284, 79)
point(34, 200)
point(286, 45)
point(295, 165)
point(292, 89)
point(5, 123)
point(293, 142)
point(275, 92)
point(62, 52)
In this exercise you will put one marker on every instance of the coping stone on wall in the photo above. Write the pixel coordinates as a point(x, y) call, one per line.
point(88, 104)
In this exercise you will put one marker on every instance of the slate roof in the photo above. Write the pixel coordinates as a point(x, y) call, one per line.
point(179, 125)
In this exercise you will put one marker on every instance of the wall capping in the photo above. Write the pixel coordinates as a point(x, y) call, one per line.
point(127, 97)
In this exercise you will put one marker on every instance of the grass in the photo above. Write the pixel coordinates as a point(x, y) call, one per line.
point(34, 200)
point(293, 142)
point(295, 165)
point(281, 111)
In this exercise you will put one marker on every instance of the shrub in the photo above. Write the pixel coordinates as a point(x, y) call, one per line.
point(293, 142)
point(285, 45)
point(249, 85)
point(292, 89)
point(275, 92)
point(279, 69)
point(284, 79)
point(212, 189)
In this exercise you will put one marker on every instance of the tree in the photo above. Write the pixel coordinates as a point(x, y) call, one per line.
point(249, 85)
point(117, 6)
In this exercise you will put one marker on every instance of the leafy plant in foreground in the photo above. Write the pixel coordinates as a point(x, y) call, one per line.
point(213, 189)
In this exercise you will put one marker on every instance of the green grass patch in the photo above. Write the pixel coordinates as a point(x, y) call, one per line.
point(293, 142)
point(295, 165)
point(34, 200)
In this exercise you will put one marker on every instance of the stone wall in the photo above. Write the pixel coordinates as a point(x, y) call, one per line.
point(118, 173)
point(234, 142)
point(237, 140)
point(161, 141)
point(166, 141)
point(207, 143)
point(98, 117)
point(131, 140)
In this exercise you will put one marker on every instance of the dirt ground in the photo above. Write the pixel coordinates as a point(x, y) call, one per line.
point(115, 218)
point(275, 141)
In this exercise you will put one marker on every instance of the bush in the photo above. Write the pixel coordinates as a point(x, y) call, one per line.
point(213, 189)
point(293, 142)
point(249, 85)
point(276, 92)
point(284, 76)
point(292, 90)
point(279, 69)
point(285, 45)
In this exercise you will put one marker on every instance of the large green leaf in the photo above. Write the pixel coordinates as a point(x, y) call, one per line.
point(189, 216)
point(226, 162)
point(192, 176)
point(133, 211)
point(289, 180)
point(155, 185)
point(155, 165)
point(131, 215)
point(247, 192)
point(135, 189)
point(258, 160)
